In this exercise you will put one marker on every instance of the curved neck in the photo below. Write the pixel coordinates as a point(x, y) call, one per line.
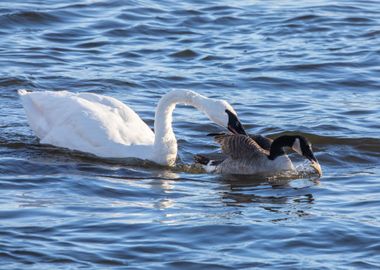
point(165, 143)
point(276, 148)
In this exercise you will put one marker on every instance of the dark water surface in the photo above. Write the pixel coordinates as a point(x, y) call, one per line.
point(310, 67)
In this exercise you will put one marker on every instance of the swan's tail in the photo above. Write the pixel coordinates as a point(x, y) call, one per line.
point(33, 113)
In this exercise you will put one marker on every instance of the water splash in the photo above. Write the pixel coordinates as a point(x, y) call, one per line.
point(305, 170)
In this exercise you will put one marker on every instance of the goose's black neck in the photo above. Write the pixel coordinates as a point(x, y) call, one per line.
point(278, 144)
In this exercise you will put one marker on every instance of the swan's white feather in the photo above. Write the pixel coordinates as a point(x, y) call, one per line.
point(87, 122)
point(106, 127)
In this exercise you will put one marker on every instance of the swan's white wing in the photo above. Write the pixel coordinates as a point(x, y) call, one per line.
point(86, 122)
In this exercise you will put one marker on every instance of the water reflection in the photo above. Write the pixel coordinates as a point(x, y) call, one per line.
point(285, 180)
point(163, 204)
point(167, 180)
point(238, 199)
point(281, 197)
point(28, 200)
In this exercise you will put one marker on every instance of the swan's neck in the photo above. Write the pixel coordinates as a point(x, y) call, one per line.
point(165, 143)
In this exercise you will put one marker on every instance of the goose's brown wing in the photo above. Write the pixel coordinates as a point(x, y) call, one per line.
point(263, 142)
point(239, 146)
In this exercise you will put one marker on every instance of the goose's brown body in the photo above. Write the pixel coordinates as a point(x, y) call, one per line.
point(245, 156)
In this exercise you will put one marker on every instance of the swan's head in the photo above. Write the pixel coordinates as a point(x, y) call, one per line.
point(222, 113)
point(299, 144)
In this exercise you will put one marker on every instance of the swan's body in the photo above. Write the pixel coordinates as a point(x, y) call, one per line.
point(106, 127)
point(256, 155)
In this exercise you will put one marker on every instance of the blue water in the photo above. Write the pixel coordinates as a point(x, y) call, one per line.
point(306, 67)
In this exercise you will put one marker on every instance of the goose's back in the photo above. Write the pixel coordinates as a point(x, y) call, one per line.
point(239, 146)
point(245, 156)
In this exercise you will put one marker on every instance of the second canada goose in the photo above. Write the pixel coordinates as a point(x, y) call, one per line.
point(257, 154)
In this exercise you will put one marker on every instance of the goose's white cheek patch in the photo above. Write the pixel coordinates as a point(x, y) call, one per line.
point(297, 146)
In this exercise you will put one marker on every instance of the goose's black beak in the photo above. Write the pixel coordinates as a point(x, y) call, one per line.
point(234, 124)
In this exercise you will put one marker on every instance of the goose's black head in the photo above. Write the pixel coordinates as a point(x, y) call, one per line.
point(299, 144)
point(234, 124)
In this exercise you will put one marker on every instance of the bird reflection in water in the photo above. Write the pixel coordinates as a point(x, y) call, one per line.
point(278, 196)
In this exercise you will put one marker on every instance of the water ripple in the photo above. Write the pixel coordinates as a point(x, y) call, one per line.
point(305, 67)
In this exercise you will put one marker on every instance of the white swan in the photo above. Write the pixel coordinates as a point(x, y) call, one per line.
point(106, 127)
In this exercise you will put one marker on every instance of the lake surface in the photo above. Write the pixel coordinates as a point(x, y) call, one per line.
point(306, 67)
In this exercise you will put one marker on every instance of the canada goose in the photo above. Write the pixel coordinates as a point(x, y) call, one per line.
point(244, 155)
